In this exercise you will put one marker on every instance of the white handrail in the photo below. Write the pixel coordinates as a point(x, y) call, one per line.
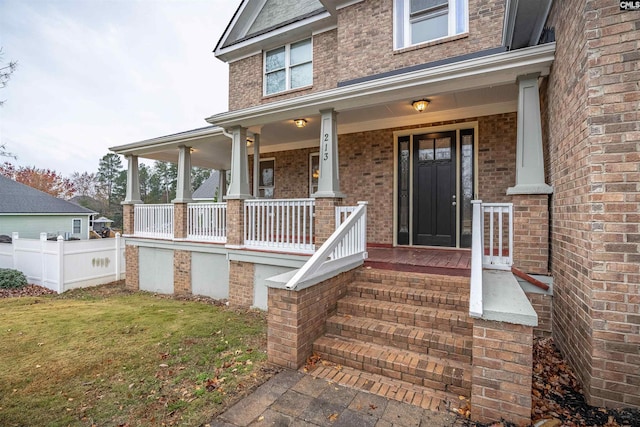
point(207, 222)
point(154, 221)
point(279, 224)
point(344, 249)
point(491, 257)
point(477, 237)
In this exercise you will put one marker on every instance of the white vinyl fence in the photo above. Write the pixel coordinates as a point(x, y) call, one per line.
point(63, 265)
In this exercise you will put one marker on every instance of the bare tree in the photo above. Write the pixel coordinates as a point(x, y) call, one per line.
point(5, 74)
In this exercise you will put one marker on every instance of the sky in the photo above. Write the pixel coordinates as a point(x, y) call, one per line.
point(94, 74)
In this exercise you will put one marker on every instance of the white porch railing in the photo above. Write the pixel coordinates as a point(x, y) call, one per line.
point(342, 212)
point(492, 224)
point(154, 221)
point(207, 222)
point(279, 224)
point(344, 250)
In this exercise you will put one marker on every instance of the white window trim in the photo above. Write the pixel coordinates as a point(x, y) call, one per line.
point(405, 42)
point(73, 221)
point(262, 187)
point(287, 67)
point(311, 156)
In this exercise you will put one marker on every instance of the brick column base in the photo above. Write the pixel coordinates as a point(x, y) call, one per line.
point(181, 272)
point(235, 222)
point(241, 277)
point(501, 373)
point(297, 318)
point(325, 218)
point(180, 220)
point(531, 233)
point(127, 219)
point(132, 274)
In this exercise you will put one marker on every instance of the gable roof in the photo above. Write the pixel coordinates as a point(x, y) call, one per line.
point(19, 198)
point(208, 188)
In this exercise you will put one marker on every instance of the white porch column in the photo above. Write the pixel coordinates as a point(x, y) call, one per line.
point(256, 164)
point(132, 195)
point(183, 186)
point(329, 180)
point(529, 154)
point(239, 186)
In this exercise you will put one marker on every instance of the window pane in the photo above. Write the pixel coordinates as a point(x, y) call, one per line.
point(302, 75)
point(276, 82)
point(275, 60)
point(466, 186)
point(430, 28)
point(461, 13)
point(301, 52)
point(425, 150)
point(420, 5)
point(443, 148)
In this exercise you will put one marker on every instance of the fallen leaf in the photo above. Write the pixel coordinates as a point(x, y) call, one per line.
point(333, 417)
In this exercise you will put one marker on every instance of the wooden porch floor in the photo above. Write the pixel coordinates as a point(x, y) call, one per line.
point(451, 262)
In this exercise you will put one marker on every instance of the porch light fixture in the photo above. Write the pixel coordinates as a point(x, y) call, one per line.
point(420, 105)
point(300, 122)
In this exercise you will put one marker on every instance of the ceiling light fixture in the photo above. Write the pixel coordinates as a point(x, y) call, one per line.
point(300, 122)
point(420, 105)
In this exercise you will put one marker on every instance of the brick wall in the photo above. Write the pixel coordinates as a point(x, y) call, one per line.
point(543, 305)
point(531, 233)
point(297, 318)
point(365, 38)
point(501, 372)
point(594, 140)
point(246, 75)
point(235, 222)
point(241, 277)
point(127, 219)
point(132, 261)
point(181, 272)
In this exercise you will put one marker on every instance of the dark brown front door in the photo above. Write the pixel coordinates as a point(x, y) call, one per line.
point(434, 189)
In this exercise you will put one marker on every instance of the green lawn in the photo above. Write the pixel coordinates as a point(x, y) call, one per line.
point(106, 357)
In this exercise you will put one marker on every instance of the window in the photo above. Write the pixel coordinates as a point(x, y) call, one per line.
point(288, 67)
point(419, 21)
point(266, 184)
point(77, 226)
point(314, 172)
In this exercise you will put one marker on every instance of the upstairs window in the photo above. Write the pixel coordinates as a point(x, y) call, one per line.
point(288, 67)
point(76, 226)
point(420, 21)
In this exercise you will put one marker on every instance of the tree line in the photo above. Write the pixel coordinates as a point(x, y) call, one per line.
point(103, 191)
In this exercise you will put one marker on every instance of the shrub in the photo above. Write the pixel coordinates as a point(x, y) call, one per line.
point(12, 279)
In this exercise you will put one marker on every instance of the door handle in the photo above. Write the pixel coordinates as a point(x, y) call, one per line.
point(454, 203)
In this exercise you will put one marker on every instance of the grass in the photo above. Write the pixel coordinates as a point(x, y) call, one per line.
point(104, 356)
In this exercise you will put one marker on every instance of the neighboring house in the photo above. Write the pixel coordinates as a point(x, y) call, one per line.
point(30, 212)
point(418, 108)
point(212, 189)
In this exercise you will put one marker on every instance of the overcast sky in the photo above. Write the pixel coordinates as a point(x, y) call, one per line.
point(94, 74)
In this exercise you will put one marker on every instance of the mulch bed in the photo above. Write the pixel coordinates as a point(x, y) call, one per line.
point(26, 291)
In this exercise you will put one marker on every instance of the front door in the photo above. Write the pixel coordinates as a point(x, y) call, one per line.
point(434, 189)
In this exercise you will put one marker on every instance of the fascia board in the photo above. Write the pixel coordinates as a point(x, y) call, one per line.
point(464, 75)
point(169, 140)
point(272, 38)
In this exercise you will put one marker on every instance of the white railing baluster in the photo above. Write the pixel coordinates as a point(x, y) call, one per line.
point(207, 222)
point(279, 224)
point(153, 221)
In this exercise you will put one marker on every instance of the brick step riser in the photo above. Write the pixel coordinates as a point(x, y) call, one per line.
point(429, 345)
point(454, 285)
point(419, 377)
point(445, 302)
point(456, 326)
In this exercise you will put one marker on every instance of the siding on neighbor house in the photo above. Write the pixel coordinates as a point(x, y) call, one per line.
point(362, 45)
point(594, 166)
point(30, 226)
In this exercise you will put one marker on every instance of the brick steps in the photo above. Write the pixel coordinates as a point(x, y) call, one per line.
point(403, 334)
point(398, 293)
point(434, 373)
point(422, 317)
point(390, 388)
point(426, 341)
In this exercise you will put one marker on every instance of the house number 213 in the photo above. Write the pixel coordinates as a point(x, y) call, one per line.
point(326, 147)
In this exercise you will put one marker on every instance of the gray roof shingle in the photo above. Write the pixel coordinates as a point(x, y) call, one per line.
point(19, 198)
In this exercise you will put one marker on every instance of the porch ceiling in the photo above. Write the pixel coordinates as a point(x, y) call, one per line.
point(472, 88)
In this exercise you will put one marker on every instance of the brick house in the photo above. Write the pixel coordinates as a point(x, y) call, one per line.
point(501, 132)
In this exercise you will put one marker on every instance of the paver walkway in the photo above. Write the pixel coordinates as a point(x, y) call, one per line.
point(292, 398)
